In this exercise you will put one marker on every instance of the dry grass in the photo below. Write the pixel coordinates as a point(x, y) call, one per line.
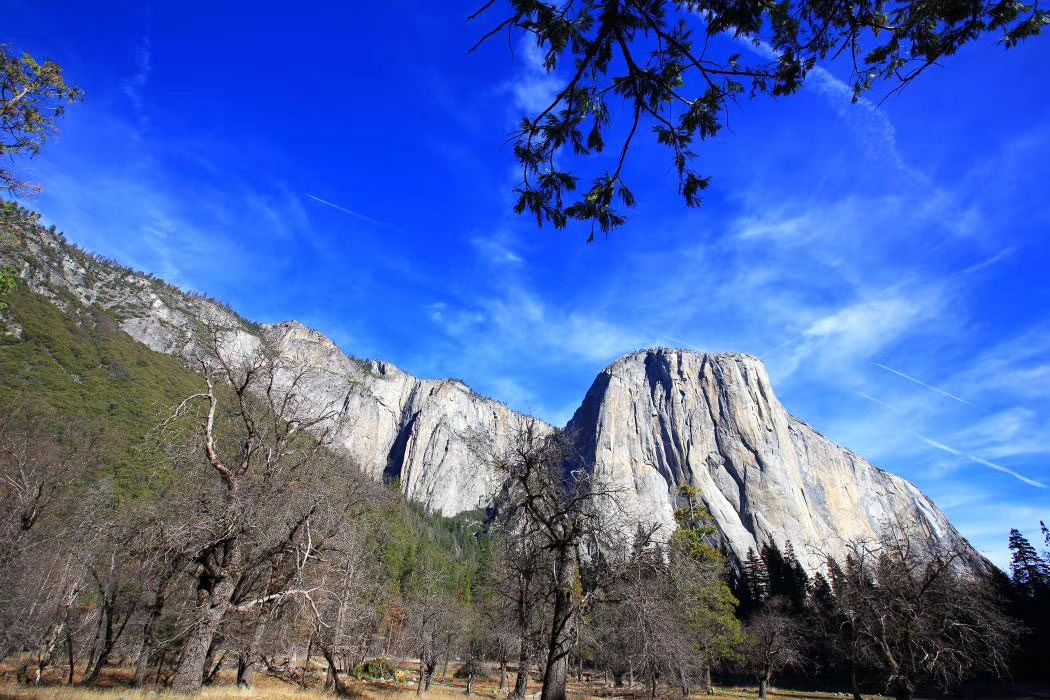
point(268, 687)
point(271, 688)
point(264, 687)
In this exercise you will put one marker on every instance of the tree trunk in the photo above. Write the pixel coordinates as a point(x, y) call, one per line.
point(245, 671)
point(340, 687)
point(160, 666)
point(652, 686)
point(684, 682)
point(470, 683)
point(854, 683)
point(762, 687)
point(211, 609)
point(149, 637)
point(108, 634)
point(141, 658)
point(91, 655)
point(70, 657)
point(426, 675)
point(560, 640)
point(554, 679)
point(521, 680)
point(709, 687)
point(47, 651)
point(502, 673)
point(902, 689)
point(306, 664)
point(211, 671)
point(247, 658)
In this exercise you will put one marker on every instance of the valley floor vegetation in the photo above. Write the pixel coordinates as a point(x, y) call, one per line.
point(191, 528)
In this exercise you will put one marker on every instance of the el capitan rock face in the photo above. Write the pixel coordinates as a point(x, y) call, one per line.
point(660, 419)
point(651, 422)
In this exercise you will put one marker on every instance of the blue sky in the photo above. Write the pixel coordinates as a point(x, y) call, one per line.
point(341, 164)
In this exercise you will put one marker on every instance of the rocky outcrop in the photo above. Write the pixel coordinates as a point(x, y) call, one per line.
point(433, 437)
point(659, 419)
point(651, 422)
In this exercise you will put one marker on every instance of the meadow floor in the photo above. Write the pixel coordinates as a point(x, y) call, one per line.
point(114, 686)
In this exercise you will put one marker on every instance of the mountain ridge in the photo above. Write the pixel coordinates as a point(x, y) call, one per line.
point(682, 417)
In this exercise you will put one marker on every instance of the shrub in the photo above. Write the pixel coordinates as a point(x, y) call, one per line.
point(375, 668)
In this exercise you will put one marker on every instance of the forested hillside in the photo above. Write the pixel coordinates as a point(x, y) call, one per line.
point(92, 465)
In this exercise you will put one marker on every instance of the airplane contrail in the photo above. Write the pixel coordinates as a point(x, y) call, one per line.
point(921, 383)
point(877, 401)
point(987, 262)
point(978, 460)
point(351, 212)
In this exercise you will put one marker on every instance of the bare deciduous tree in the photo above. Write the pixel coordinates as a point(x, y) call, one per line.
point(772, 643)
point(41, 525)
point(259, 437)
point(921, 615)
point(547, 507)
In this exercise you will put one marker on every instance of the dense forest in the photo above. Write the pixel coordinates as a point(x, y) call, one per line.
point(182, 521)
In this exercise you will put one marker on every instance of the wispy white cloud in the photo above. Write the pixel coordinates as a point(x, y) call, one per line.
point(135, 85)
point(871, 124)
point(861, 328)
point(455, 322)
point(497, 250)
point(984, 519)
point(1009, 432)
point(520, 316)
point(838, 340)
point(1017, 368)
point(534, 88)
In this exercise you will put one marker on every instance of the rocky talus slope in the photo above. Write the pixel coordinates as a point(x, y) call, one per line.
point(652, 421)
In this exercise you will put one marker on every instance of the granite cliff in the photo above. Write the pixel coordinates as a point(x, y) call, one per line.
point(660, 419)
point(651, 422)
